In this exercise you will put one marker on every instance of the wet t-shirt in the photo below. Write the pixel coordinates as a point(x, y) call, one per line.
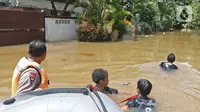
point(142, 104)
point(107, 90)
point(168, 66)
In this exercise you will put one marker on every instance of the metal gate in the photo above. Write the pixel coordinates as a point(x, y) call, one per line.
point(20, 26)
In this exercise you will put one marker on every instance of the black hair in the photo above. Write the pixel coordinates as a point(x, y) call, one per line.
point(144, 87)
point(171, 57)
point(99, 74)
point(37, 48)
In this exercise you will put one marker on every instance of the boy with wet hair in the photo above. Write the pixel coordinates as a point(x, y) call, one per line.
point(100, 77)
point(142, 103)
point(168, 66)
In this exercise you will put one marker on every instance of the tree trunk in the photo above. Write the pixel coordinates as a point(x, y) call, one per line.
point(54, 10)
point(66, 5)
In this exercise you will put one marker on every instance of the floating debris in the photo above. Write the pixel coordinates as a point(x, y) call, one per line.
point(127, 83)
point(87, 54)
point(63, 59)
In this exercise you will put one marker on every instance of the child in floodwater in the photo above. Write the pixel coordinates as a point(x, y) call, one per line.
point(100, 77)
point(168, 66)
point(142, 103)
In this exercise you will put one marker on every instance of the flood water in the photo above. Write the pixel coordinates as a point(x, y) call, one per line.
point(69, 64)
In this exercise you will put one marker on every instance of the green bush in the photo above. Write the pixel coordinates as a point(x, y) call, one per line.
point(90, 33)
point(104, 19)
point(195, 24)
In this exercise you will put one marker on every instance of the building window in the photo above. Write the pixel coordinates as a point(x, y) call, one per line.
point(77, 22)
point(60, 21)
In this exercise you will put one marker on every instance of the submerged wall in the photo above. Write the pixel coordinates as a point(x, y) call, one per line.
point(20, 26)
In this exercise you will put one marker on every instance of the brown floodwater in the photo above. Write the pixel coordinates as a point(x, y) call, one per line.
point(70, 63)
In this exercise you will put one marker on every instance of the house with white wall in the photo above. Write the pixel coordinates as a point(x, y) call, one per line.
point(43, 4)
point(56, 29)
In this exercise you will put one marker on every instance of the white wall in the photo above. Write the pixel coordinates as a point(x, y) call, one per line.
point(57, 29)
